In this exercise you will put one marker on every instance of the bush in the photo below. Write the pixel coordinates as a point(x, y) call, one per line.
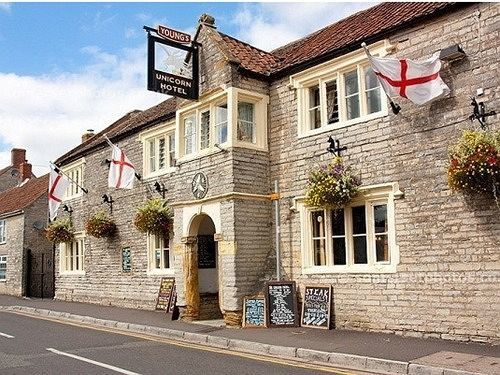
point(474, 163)
point(332, 185)
point(154, 216)
point(100, 225)
point(59, 231)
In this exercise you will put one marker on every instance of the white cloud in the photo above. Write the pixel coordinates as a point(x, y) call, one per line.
point(271, 25)
point(47, 114)
point(5, 7)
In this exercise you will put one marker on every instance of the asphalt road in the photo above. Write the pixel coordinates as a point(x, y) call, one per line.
point(38, 346)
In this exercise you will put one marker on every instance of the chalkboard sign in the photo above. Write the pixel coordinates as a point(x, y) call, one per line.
point(206, 252)
point(254, 312)
point(164, 293)
point(316, 306)
point(173, 300)
point(281, 301)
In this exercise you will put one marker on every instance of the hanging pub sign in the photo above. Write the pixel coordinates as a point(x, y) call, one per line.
point(172, 63)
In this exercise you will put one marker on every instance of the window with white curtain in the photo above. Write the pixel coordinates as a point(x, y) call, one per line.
point(246, 122)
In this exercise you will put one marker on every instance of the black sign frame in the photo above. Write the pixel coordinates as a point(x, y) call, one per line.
point(164, 296)
point(177, 85)
point(269, 305)
point(329, 307)
point(264, 318)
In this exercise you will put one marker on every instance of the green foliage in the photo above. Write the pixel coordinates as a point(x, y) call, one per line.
point(154, 216)
point(332, 185)
point(100, 225)
point(59, 231)
point(474, 162)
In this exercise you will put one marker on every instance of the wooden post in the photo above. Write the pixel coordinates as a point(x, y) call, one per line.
point(190, 271)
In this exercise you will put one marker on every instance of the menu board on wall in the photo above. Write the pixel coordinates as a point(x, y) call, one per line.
point(254, 312)
point(281, 300)
point(206, 252)
point(316, 306)
point(165, 293)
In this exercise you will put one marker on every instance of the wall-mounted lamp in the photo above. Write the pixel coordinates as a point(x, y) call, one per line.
point(334, 146)
point(479, 113)
point(160, 188)
point(67, 208)
point(452, 53)
point(109, 200)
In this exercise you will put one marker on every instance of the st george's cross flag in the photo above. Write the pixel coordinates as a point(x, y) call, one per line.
point(57, 186)
point(417, 81)
point(121, 171)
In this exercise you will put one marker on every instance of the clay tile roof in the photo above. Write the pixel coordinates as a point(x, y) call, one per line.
point(250, 58)
point(131, 122)
point(365, 25)
point(18, 198)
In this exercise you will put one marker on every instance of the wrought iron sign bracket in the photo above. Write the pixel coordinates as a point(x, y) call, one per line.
point(109, 200)
point(479, 113)
point(160, 188)
point(334, 146)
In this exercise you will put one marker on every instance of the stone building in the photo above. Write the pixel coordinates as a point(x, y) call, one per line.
point(266, 116)
point(26, 257)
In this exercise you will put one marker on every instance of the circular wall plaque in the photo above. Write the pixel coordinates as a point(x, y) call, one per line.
point(199, 185)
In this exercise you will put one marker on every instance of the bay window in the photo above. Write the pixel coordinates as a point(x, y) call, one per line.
point(246, 122)
point(190, 135)
point(221, 123)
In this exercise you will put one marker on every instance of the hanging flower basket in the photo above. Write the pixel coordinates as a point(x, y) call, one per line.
point(60, 231)
point(474, 163)
point(332, 186)
point(154, 216)
point(100, 225)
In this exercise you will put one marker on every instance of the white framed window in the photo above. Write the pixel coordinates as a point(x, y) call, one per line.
point(3, 232)
point(75, 172)
point(233, 117)
point(72, 256)
point(357, 238)
point(246, 127)
point(3, 267)
point(159, 254)
point(158, 146)
point(339, 93)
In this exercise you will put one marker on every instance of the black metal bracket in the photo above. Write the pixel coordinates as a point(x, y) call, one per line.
point(109, 200)
point(160, 188)
point(479, 112)
point(334, 146)
point(67, 208)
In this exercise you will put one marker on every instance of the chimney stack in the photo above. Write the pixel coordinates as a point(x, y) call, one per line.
point(207, 20)
point(25, 171)
point(18, 156)
point(86, 136)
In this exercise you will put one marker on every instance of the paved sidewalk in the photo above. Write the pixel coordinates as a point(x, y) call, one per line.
point(353, 349)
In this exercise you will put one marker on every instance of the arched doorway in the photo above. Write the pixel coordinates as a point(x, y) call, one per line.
point(206, 265)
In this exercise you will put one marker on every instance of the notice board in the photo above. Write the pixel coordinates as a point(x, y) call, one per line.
point(316, 306)
point(165, 293)
point(206, 252)
point(254, 312)
point(281, 301)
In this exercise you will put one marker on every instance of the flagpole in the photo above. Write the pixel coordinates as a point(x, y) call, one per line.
point(58, 170)
point(395, 106)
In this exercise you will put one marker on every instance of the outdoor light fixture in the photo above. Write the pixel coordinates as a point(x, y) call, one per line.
point(160, 188)
point(67, 208)
point(479, 113)
point(452, 53)
point(334, 146)
point(109, 200)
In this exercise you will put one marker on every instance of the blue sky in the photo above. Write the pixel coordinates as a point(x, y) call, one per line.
point(68, 67)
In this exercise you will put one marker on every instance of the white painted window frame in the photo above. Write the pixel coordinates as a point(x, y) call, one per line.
point(64, 248)
point(3, 260)
point(335, 70)
point(231, 96)
point(370, 196)
point(3, 232)
point(152, 270)
point(70, 170)
point(164, 130)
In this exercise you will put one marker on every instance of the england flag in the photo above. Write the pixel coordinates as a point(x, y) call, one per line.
point(57, 186)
